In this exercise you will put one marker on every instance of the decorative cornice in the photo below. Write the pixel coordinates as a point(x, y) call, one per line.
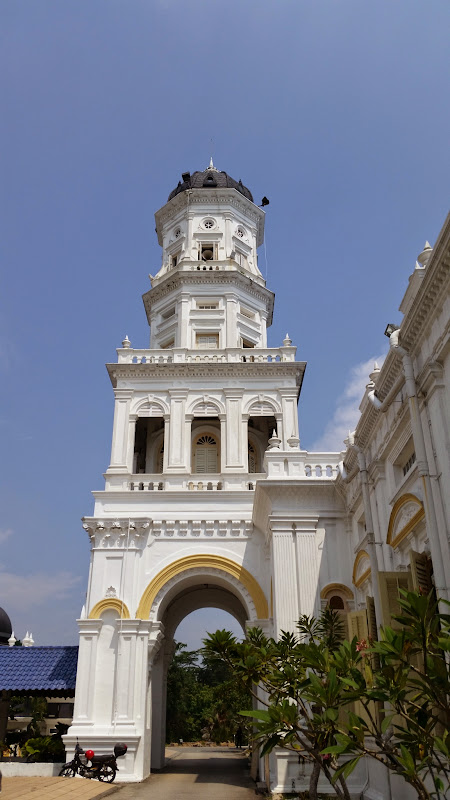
point(120, 533)
point(202, 529)
point(176, 279)
point(187, 370)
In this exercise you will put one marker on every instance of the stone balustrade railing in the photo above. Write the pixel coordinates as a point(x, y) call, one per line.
point(190, 483)
point(301, 464)
point(178, 355)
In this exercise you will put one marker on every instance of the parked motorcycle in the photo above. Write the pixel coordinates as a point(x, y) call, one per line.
point(88, 765)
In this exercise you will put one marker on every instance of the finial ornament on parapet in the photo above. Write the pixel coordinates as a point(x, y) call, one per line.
point(126, 342)
point(287, 341)
point(424, 257)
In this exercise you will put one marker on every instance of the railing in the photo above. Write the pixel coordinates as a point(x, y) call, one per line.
point(179, 355)
point(189, 483)
point(301, 464)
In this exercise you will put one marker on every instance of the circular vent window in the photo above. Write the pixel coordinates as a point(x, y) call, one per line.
point(240, 232)
point(208, 223)
point(177, 233)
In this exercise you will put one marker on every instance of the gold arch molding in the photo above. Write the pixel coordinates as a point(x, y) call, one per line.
point(336, 587)
point(203, 562)
point(359, 580)
point(110, 604)
point(402, 521)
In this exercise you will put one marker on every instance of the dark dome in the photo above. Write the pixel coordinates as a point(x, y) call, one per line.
point(5, 627)
point(210, 178)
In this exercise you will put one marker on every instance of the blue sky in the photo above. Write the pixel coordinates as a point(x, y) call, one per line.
point(337, 110)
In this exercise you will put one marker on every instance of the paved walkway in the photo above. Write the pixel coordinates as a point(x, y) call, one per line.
point(194, 773)
point(53, 789)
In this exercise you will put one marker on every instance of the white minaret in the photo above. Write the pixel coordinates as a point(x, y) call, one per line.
point(209, 292)
point(201, 418)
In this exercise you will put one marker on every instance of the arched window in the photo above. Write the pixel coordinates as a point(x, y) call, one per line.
point(205, 454)
point(336, 603)
point(252, 458)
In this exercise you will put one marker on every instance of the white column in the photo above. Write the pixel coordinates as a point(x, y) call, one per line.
point(233, 404)
point(284, 579)
point(307, 566)
point(177, 437)
point(281, 431)
point(119, 448)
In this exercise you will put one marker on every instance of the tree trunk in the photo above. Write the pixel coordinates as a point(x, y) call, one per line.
point(314, 781)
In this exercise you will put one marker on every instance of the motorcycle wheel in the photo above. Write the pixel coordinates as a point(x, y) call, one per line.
point(107, 774)
point(67, 771)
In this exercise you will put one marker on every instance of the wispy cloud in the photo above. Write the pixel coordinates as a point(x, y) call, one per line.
point(5, 533)
point(25, 591)
point(347, 412)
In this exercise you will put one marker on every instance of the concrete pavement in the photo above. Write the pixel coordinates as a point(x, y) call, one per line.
point(54, 789)
point(194, 773)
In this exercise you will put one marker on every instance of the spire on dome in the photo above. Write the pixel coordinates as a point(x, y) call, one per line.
point(211, 165)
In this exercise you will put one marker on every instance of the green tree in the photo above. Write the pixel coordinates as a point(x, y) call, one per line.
point(314, 682)
point(203, 698)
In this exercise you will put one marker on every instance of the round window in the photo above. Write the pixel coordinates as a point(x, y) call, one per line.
point(208, 223)
point(177, 233)
point(240, 232)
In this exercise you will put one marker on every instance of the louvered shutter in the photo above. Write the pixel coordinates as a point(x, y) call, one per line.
point(420, 572)
point(206, 455)
point(357, 625)
point(390, 583)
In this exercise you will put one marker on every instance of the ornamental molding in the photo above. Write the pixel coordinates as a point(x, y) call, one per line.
point(202, 529)
point(119, 533)
point(330, 588)
point(149, 406)
point(361, 568)
point(175, 280)
point(198, 197)
point(208, 369)
point(407, 512)
point(202, 572)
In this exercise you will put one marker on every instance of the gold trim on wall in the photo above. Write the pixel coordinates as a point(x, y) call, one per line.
point(203, 562)
point(418, 516)
point(357, 582)
point(110, 604)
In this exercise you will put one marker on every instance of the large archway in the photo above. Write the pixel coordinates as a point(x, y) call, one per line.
point(181, 589)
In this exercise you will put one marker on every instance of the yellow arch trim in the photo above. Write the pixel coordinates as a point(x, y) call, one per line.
point(405, 498)
point(333, 587)
point(362, 554)
point(205, 562)
point(110, 604)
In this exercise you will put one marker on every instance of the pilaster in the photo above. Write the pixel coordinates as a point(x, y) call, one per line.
point(87, 657)
point(285, 589)
point(307, 565)
point(234, 429)
point(177, 436)
point(119, 447)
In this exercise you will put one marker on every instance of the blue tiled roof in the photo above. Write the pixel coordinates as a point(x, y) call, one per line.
point(43, 669)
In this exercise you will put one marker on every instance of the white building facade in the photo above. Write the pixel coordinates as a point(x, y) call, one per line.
point(209, 500)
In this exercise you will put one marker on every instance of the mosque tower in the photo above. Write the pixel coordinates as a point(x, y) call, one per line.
point(205, 445)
